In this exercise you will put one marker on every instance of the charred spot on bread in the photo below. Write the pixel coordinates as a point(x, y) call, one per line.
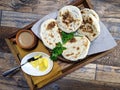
point(82, 12)
point(50, 43)
point(89, 29)
point(85, 43)
point(94, 34)
point(51, 25)
point(77, 54)
point(69, 54)
point(60, 32)
point(52, 36)
point(77, 48)
point(67, 18)
point(73, 40)
point(90, 20)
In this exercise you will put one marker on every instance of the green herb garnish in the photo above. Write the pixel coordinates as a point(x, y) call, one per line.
point(57, 51)
point(59, 48)
point(66, 36)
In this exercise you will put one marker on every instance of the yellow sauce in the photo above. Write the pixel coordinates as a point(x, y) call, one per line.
point(41, 64)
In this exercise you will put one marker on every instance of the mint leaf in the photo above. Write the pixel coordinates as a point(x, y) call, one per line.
point(66, 36)
point(57, 51)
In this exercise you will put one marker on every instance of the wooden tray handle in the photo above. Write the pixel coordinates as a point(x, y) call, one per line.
point(85, 3)
point(76, 2)
point(13, 40)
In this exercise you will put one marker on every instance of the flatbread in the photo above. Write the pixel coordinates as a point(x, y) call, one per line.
point(90, 11)
point(90, 27)
point(77, 48)
point(69, 18)
point(50, 33)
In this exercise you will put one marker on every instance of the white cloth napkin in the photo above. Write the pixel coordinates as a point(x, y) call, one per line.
point(103, 42)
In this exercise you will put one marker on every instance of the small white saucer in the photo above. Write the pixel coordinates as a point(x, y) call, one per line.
point(29, 69)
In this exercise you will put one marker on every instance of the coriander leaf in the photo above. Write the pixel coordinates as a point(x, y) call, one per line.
point(66, 36)
point(57, 51)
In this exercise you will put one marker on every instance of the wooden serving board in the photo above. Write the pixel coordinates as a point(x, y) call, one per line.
point(66, 68)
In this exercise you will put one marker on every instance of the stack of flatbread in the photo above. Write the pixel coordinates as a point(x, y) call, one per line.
point(90, 26)
point(84, 23)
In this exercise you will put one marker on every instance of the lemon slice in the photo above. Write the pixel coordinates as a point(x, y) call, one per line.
point(41, 64)
point(35, 57)
point(34, 63)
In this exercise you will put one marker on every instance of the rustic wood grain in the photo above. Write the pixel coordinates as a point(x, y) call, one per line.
point(86, 72)
point(84, 75)
point(92, 72)
point(17, 19)
point(4, 33)
point(109, 13)
point(0, 16)
point(17, 81)
point(18, 58)
point(108, 73)
point(112, 59)
point(81, 85)
point(31, 6)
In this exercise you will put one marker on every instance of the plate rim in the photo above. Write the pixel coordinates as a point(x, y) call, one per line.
point(24, 59)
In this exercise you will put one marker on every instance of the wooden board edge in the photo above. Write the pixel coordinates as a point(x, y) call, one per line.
point(15, 53)
point(70, 69)
point(76, 2)
point(88, 4)
point(84, 62)
point(79, 65)
point(27, 77)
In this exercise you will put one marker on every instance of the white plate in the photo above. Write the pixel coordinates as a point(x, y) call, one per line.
point(29, 69)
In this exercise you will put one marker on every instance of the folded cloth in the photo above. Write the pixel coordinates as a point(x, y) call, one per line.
point(43, 80)
point(40, 81)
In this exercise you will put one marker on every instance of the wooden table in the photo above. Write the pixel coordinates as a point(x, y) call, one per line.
point(103, 73)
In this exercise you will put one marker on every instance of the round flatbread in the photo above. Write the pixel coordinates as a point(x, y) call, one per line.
point(90, 27)
point(50, 33)
point(90, 11)
point(77, 48)
point(69, 18)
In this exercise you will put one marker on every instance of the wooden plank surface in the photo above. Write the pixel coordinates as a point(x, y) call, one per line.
point(112, 59)
point(87, 72)
point(7, 61)
point(17, 19)
point(109, 13)
point(33, 6)
point(108, 73)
